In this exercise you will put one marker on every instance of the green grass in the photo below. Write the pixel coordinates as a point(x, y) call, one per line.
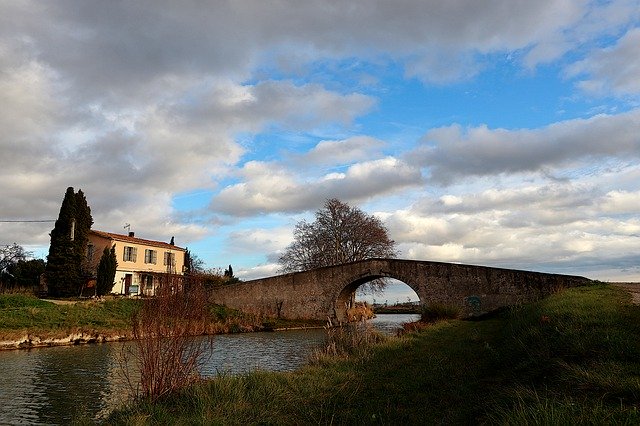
point(21, 314)
point(573, 358)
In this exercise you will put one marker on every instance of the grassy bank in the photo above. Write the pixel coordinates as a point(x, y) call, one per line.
point(573, 358)
point(22, 314)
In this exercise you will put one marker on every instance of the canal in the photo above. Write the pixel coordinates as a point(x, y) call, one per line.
point(58, 385)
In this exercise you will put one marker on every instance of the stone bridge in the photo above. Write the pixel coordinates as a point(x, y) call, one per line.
point(324, 293)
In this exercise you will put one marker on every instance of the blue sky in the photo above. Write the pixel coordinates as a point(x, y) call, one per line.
point(500, 133)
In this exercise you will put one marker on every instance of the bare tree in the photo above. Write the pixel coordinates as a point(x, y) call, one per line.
point(339, 234)
point(11, 254)
point(12, 257)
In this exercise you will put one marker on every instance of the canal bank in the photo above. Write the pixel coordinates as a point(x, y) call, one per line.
point(27, 322)
point(63, 384)
point(573, 358)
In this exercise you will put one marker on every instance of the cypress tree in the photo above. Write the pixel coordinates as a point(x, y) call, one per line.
point(106, 271)
point(66, 260)
point(188, 267)
point(82, 228)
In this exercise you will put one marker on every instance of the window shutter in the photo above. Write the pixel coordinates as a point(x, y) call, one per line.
point(154, 256)
point(134, 253)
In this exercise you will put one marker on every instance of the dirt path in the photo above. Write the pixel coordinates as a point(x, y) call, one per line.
point(633, 288)
point(61, 302)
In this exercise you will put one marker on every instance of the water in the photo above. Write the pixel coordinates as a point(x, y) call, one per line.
point(57, 385)
point(389, 323)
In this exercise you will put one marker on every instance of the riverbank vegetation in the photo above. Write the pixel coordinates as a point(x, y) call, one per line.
point(23, 314)
point(398, 308)
point(573, 358)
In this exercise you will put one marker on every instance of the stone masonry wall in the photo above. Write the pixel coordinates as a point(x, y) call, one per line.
point(322, 293)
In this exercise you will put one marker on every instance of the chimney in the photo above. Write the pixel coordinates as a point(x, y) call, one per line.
point(132, 234)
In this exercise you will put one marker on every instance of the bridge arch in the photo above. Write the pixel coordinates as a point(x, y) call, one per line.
point(346, 288)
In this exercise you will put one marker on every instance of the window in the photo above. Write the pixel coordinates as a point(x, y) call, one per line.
point(150, 256)
point(169, 259)
point(130, 254)
point(91, 249)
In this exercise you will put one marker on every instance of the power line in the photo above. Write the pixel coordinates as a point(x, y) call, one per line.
point(28, 221)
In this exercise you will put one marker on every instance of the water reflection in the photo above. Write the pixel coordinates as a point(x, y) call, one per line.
point(58, 385)
point(390, 323)
point(55, 385)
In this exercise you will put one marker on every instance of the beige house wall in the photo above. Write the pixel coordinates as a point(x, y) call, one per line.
point(134, 260)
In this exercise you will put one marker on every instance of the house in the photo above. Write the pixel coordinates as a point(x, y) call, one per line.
point(142, 264)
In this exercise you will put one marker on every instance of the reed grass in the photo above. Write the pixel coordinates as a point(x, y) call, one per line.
point(356, 340)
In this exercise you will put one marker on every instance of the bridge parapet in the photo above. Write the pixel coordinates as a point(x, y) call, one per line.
point(322, 293)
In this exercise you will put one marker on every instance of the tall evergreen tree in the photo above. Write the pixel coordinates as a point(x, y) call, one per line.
point(82, 228)
point(66, 260)
point(106, 271)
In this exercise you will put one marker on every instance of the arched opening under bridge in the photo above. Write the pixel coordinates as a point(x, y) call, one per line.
point(396, 292)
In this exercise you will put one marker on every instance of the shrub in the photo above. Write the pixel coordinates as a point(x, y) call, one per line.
point(433, 312)
point(165, 352)
point(348, 341)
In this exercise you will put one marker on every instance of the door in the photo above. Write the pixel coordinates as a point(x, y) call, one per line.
point(127, 283)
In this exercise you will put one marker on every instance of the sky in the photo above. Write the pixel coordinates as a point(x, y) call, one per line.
point(502, 133)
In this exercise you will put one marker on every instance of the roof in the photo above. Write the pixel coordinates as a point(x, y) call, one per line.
point(135, 240)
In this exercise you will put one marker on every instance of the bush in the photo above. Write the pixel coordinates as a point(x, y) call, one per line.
point(164, 352)
point(433, 312)
point(348, 341)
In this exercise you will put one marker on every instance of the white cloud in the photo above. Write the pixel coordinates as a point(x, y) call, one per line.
point(622, 202)
point(453, 152)
point(258, 271)
point(117, 52)
point(555, 227)
point(135, 102)
point(612, 70)
point(341, 152)
point(270, 241)
point(270, 188)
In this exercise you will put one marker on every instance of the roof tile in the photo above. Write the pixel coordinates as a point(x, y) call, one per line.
point(135, 240)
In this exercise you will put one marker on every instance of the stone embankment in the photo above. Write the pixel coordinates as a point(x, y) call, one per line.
point(29, 341)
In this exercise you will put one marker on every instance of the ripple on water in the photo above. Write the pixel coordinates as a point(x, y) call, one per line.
point(60, 384)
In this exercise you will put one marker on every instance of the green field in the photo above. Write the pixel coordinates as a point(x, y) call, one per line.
point(573, 358)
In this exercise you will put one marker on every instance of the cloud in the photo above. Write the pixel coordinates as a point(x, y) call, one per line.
point(453, 152)
point(126, 51)
point(258, 271)
point(556, 227)
point(622, 202)
point(613, 70)
point(556, 197)
point(270, 241)
point(270, 188)
point(135, 102)
point(129, 159)
point(340, 152)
